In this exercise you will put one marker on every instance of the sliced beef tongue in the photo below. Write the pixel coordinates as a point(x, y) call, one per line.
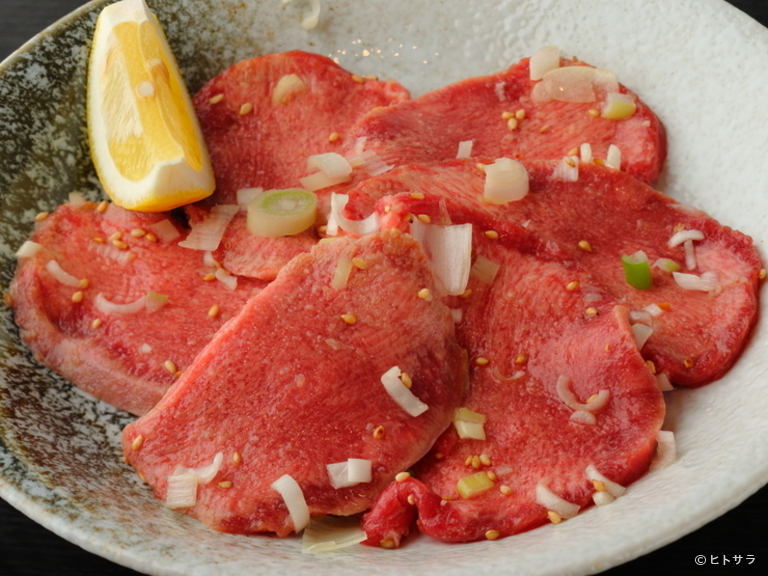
point(303, 364)
point(697, 334)
point(431, 127)
point(70, 301)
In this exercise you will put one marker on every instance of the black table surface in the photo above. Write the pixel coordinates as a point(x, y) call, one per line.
point(27, 549)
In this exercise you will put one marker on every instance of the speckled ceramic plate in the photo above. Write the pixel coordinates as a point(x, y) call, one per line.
point(699, 63)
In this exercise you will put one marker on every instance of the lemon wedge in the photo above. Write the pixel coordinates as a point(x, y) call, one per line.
point(145, 139)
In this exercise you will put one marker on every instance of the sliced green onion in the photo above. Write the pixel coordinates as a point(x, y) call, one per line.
point(637, 271)
point(276, 213)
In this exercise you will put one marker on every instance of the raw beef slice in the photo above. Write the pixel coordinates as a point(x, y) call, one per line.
point(292, 385)
point(594, 221)
point(261, 119)
point(430, 127)
point(126, 357)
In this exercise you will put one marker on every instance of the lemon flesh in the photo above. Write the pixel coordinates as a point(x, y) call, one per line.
point(146, 143)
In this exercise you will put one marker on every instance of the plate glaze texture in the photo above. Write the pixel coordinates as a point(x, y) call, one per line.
point(60, 459)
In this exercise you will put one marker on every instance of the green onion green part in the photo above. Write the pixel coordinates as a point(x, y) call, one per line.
point(637, 271)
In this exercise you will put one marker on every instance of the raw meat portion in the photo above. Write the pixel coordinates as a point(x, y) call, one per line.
point(700, 335)
point(303, 389)
point(120, 359)
point(430, 127)
point(267, 143)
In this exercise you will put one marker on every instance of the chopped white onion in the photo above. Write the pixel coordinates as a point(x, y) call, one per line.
point(585, 152)
point(567, 170)
point(618, 106)
point(449, 251)
point(246, 195)
point(332, 533)
point(341, 274)
point(76, 199)
point(613, 159)
point(641, 317)
point(569, 398)
point(332, 169)
point(683, 235)
point(465, 149)
point(145, 348)
point(314, 16)
point(356, 228)
point(28, 249)
point(457, 314)
point(105, 306)
point(485, 270)
point(294, 500)
point(209, 260)
point(611, 487)
point(578, 83)
point(207, 234)
point(551, 501)
point(154, 301)
point(664, 384)
point(641, 332)
point(542, 61)
point(540, 93)
point(370, 162)
point(666, 450)
point(506, 180)
point(470, 430)
point(498, 89)
point(602, 498)
point(165, 230)
point(229, 280)
point(690, 255)
point(181, 491)
point(287, 88)
point(654, 310)
point(350, 473)
point(204, 474)
point(707, 282)
point(583, 417)
point(667, 264)
point(401, 394)
point(60, 275)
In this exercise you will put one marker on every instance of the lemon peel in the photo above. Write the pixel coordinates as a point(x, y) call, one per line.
point(146, 143)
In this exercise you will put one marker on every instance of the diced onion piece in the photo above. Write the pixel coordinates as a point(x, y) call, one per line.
point(457, 314)
point(226, 278)
point(337, 474)
point(181, 491)
point(350, 473)
point(332, 169)
point(332, 533)
point(618, 106)
point(449, 251)
point(611, 487)
point(540, 93)
point(370, 162)
point(637, 271)
point(583, 417)
point(690, 255)
point(567, 170)
point(468, 415)
point(277, 213)
point(613, 158)
point(204, 474)
point(145, 348)
point(585, 152)
point(542, 61)
point(654, 310)
point(465, 149)
point(293, 498)
point(641, 317)
point(641, 332)
point(76, 199)
point(551, 501)
point(485, 270)
point(578, 83)
point(207, 234)
point(246, 195)
point(28, 249)
point(356, 228)
point(666, 450)
point(105, 306)
point(165, 230)
point(667, 264)
point(506, 180)
point(60, 275)
point(565, 393)
point(664, 384)
point(683, 235)
point(209, 260)
point(341, 274)
point(469, 430)
point(602, 498)
point(154, 301)
point(693, 282)
point(287, 88)
point(318, 181)
point(473, 484)
point(402, 394)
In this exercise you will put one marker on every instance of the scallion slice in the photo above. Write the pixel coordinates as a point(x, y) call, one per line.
point(637, 271)
point(277, 213)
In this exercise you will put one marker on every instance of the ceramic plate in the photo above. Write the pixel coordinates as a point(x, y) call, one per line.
point(699, 63)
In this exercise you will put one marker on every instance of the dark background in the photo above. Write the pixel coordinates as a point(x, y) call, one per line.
point(27, 549)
